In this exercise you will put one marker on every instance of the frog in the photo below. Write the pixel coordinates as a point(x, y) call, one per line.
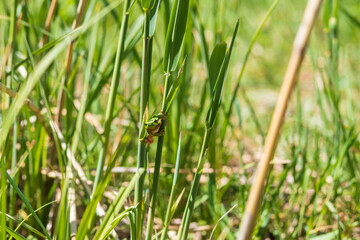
point(152, 127)
point(153, 124)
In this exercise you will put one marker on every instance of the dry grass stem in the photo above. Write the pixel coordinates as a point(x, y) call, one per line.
point(297, 55)
point(30, 105)
point(49, 18)
point(78, 19)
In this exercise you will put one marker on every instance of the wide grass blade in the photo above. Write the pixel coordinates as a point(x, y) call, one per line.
point(216, 61)
point(175, 34)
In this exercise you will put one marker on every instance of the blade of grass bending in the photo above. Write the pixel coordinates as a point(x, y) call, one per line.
point(47, 46)
point(217, 223)
point(113, 209)
point(256, 193)
point(90, 210)
point(210, 119)
point(173, 44)
point(111, 212)
point(13, 234)
point(112, 95)
point(116, 221)
point(25, 225)
point(169, 212)
point(216, 62)
point(28, 205)
point(217, 59)
point(28, 216)
point(18, 166)
point(110, 221)
point(218, 87)
point(248, 51)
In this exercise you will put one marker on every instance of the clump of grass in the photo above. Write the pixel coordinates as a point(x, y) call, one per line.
point(101, 166)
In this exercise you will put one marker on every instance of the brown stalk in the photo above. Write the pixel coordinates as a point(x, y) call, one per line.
point(7, 51)
point(92, 120)
point(49, 18)
point(30, 105)
point(78, 19)
point(257, 189)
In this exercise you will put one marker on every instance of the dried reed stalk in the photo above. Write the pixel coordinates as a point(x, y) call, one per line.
point(49, 18)
point(257, 189)
point(60, 101)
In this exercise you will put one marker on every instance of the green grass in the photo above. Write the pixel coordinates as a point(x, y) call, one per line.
point(91, 177)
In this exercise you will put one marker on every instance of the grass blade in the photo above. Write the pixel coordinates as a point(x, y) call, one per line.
point(216, 61)
point(28, 205)
point(116, 221)
point(175, 34)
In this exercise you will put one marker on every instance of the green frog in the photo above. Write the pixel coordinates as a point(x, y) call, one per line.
point(152, 127)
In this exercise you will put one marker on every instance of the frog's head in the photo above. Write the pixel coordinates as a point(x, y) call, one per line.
point(155, 120)
point(159, 115)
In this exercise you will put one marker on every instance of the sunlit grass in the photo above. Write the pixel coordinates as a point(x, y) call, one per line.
point(87, 168)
